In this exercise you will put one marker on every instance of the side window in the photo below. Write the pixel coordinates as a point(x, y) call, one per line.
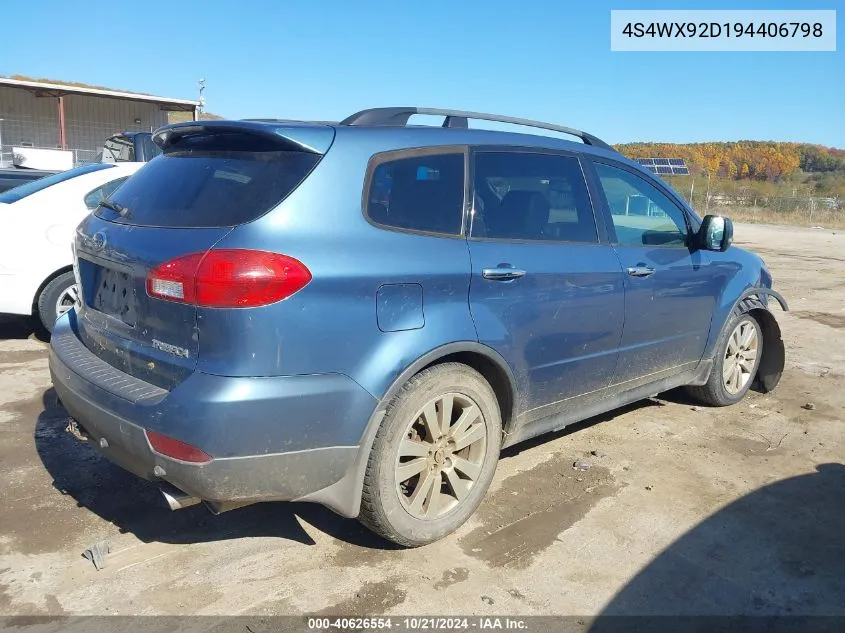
point(419, 193)
point(526, 196)
point(641, 214)
point(92, 198)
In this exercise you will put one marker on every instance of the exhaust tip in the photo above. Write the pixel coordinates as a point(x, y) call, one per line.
point(177, 499)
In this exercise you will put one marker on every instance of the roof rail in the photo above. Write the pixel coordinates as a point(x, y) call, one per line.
point(458, 119)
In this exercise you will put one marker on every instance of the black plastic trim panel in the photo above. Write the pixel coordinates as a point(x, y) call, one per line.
point(98, 372)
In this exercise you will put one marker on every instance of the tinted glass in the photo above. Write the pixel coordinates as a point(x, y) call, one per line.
point(92, 198)
point(151, 150)
point(202, 183)
point(421, 193)
point(641, 214)
point(34, 186)
point(525, 196)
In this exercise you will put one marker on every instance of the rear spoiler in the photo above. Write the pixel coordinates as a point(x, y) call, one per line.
point(303, 137)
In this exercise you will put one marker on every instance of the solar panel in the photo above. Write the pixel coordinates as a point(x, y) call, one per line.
point(665, 166)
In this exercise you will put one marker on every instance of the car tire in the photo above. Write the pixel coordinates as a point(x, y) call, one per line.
point(733, 370)
point(453, 471)
point(59, 290)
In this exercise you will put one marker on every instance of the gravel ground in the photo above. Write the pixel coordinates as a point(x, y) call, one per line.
point(683, 510)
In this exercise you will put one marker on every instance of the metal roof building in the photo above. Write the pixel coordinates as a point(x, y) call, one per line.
point(57, 116)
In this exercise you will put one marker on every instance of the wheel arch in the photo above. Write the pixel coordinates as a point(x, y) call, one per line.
point(344, 497)
point(485, 360)
point(754, 301)
point(773, 359)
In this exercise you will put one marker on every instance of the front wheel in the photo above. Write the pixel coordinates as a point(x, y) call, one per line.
point(56, 298)
point(737, 358)
point(433, 457)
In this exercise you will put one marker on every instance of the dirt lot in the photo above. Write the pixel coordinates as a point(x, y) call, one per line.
point(718, 511)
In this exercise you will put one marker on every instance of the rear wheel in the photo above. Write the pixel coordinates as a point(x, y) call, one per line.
point(433, 457)
point(56, 298)
point(737, 358)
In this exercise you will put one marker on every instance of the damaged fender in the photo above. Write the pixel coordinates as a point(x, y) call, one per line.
point(755, 301)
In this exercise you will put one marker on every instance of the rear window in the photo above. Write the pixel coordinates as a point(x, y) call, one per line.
point(204, 184)
point(34, 186)
point(120, 149)
point(151, 150)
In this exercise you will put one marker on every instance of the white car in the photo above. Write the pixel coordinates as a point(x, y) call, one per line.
point(37, 222)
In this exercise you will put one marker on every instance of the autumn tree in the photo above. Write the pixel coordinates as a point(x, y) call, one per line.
point(753, 160)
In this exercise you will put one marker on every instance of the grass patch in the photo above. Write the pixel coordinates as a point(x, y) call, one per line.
point(827, 218)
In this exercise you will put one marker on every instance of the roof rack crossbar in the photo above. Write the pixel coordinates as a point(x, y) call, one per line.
point(458, 118)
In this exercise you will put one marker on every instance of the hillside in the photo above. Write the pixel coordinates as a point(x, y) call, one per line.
point(173, 117)
point(765, 168)
point(758, 181)
point(75, 84)
point(181, 117)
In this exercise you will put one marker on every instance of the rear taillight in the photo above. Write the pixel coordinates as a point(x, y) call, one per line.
point(176, 449)
point(228, 278)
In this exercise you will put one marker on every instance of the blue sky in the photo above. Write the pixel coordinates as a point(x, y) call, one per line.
point(547, 60)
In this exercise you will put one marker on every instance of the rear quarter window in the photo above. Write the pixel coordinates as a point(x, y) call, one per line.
point(417, 193)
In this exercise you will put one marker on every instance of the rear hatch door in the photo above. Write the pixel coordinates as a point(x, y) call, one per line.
point(210, 178)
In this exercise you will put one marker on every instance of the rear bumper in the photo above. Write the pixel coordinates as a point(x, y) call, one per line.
point(271, 438)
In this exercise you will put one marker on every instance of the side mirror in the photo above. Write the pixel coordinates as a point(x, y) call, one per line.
point(716, 233)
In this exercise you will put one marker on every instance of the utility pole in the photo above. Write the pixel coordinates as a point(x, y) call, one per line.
point(201, 107)
point(1, 142)
point(707, 199)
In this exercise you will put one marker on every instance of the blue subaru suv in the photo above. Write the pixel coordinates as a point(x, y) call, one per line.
point(363, 314)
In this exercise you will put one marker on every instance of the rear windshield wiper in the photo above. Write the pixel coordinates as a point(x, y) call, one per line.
point(116, 207)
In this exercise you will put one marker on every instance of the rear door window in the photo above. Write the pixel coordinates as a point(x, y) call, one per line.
point(531, 196)
point(210, 181)
point(422, 193)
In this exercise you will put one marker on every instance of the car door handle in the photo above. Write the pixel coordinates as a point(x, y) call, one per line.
point(502, 274)
point(639, 271)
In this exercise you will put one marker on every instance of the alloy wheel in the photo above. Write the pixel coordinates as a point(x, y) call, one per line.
point(740, 357)
point(66, 300)
point(440, 456)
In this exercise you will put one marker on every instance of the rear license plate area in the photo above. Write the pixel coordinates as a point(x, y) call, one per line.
point(112, 293)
